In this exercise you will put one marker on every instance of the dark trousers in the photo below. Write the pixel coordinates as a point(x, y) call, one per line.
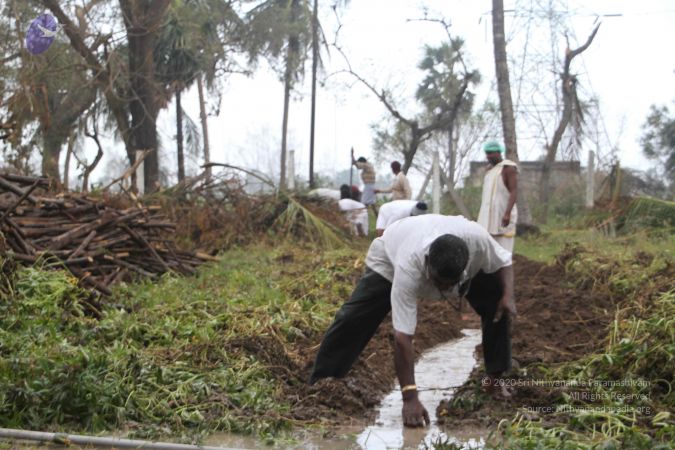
point(483, 296)
point(357, 320)
point(355, 323)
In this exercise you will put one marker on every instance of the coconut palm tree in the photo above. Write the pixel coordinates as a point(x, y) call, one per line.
point(194, 44)
point(177, 66)
point(439, 89)
point(281, 31)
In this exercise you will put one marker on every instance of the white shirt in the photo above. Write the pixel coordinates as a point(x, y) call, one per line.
point(392, 211)
point(494, 201)
point(331, 194)
point(355, 213)
point(399, 257)
point(400, 189)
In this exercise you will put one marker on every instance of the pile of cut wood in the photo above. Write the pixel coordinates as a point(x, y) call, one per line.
point(97, 242)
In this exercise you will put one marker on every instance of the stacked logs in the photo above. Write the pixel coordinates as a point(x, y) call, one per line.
point(97, 242)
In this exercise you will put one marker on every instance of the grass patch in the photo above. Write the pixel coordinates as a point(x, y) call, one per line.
point(179, 357)
point(622, 397)
point(546, 246)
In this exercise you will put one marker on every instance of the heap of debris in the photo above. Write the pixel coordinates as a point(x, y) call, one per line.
point(97, 242)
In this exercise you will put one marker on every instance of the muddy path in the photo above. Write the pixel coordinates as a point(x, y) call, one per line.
point(557, 321)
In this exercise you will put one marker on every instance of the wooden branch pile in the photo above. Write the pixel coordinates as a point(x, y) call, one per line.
point(96, 242)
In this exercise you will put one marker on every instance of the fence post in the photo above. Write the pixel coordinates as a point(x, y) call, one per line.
point(140, 178)
point(590, 180)
point(290, 180)
point(436, 187)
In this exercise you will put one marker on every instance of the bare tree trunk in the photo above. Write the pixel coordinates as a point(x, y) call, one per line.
point(505, 102)
point(570, 105)
point(457, 200)
point(102, 74)
point(179, 137)
point(88, 169)
point(413, 145)
point(315, 65)
point(451, 155)
point(289, 72)
point(66, 165)
point(50, 154)
point(142, 20)
point(423, 190)
point(284, 132)
point(205, 128)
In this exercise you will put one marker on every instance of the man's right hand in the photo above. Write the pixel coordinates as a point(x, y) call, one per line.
point(414, 413)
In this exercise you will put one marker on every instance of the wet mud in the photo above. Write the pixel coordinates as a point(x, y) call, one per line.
point(558, 321)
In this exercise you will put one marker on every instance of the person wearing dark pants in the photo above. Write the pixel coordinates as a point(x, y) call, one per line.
point(421, 257)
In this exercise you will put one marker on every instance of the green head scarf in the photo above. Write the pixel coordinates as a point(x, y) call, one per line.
point(493, 146)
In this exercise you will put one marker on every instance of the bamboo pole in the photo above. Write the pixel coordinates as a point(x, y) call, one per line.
point(69, 439)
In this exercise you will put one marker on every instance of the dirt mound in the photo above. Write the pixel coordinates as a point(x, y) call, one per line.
point(558, 320)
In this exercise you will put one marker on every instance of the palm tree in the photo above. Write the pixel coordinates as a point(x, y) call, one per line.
point(281, 30)
point(178, 66)
point(194, 44)
point(438, 91)
point(316, 27)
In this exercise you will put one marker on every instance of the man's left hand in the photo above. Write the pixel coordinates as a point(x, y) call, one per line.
point(506, 306)
point(506, 219)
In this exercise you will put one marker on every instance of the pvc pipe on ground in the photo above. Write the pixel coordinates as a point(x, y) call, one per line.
point(70, 439)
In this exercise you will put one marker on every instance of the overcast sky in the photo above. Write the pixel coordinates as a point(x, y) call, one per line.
point(629, 66)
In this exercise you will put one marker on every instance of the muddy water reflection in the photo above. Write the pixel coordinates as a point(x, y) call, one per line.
point(437, 373)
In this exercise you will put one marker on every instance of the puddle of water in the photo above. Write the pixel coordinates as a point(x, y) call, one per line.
point(437, 374)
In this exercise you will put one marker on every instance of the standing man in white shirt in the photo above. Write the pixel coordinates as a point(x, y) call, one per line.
point(395, 210)
point(498, 211)
point(423, 257)
point(400, 188)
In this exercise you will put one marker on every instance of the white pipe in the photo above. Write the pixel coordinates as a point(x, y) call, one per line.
point(69, 439)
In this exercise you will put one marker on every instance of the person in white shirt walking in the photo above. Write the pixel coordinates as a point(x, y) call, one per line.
point(355, 212)
point(395, 210)
point(498, 211)
point(400, 188)
point(423, 257)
